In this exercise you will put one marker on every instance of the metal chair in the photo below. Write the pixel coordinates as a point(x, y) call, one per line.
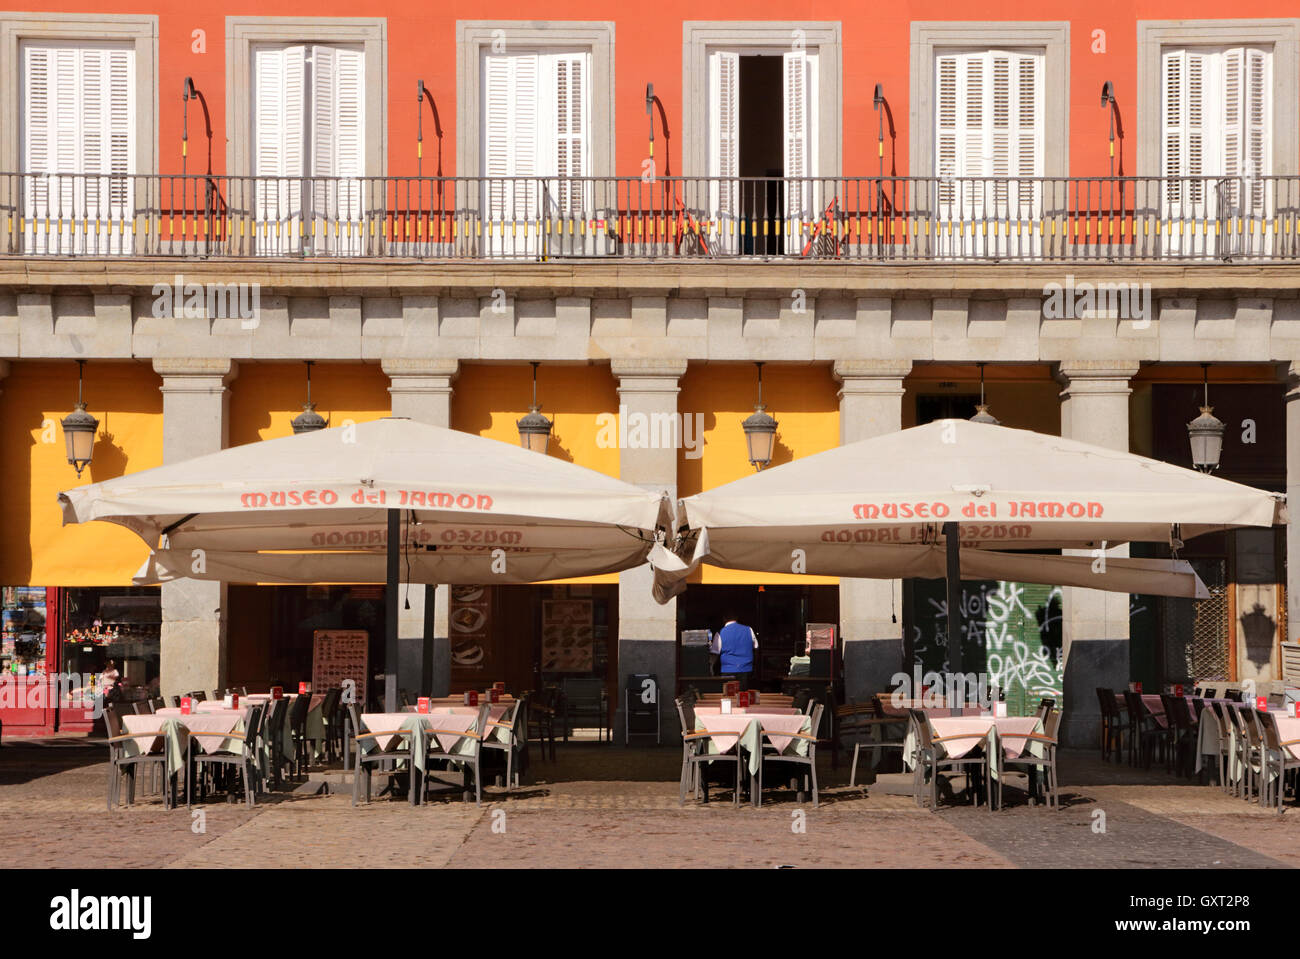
point(509, 735)
point(695, 743)
point(870, 719)
point(1048, 739)
point(122, 761)
point(470, 760)
point(933, 754)
point(365, 762)
point(1278, 758)
point(1114, 724)
point(808, 761)
point(244, 759)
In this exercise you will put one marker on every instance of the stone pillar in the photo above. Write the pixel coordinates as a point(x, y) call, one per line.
point(647, 632)
point(196, 414)
point(421, 390)
point(1095, 633)
point(1292, 371)
point(871, 610)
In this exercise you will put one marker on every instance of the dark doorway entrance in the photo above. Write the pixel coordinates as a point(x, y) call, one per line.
point(762, 151)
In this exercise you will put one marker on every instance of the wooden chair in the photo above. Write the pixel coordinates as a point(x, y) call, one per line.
point(1114, 724)
point(1048, 740)
point(541, 720)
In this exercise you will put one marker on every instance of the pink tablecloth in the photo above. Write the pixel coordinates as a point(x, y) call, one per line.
point(210, 729)
point(891, 708)
point(455, 720)
point(778, 728)
point(1012, 732)
point(759, 710)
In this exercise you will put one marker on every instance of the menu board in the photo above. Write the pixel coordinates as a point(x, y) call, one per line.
point(339, 654)
point(567, 636)
point(470, 624)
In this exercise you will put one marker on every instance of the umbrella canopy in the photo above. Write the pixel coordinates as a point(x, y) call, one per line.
point(953, 498)
point(314, 508)
point(1007, 488)
point(386, 501)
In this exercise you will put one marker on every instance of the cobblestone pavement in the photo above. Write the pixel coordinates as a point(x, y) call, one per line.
point(609, 806)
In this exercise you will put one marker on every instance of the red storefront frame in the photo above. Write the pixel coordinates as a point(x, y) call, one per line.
point(48, 717)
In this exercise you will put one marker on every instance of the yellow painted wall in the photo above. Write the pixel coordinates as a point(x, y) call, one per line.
point(489, 400)
point(265, 397)
point(804, 402)
point(39, 550)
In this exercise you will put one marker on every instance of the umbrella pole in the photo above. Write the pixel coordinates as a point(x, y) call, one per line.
point(390, 611)
point(953, 545)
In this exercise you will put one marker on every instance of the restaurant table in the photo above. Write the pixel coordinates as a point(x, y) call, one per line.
point(211, 730)
point(1004, 736)
point(749, 726)
point(899, 708)
point(448, 724)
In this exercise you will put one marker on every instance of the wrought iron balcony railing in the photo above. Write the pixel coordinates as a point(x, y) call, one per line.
point(845, 219)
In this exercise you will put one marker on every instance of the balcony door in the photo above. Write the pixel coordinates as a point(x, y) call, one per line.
point(763, 161)
point(989, 147)
point(1216, 144)
point(536, 149)
point(308, 149)
point(78, 146)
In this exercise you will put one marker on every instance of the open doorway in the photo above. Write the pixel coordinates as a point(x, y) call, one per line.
point(762, 115)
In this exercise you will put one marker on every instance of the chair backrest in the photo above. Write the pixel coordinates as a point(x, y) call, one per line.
point(176, 702)
point(328, 704)
point(685, 714)
point(217, 694)
point(112, 722)
point(1052, 723)
point(1250, 723)
point(1268, 727)
point(243, 690)
point(198, 695)
point(158, 703)
point(1133, 703)
point(139, 708)
point(298, 712)
point(253, 726)
point(1233, 695)
point(1045, 707)
point(355, 718)
point(816, 724)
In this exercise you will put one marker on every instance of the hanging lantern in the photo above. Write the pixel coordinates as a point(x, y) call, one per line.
point(760, 430)
point(1206, 432)
point(982, 414)
point(534, 428)
point(309, 421)
point(79, 429)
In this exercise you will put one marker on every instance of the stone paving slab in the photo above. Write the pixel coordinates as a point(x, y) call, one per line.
point(610, 806)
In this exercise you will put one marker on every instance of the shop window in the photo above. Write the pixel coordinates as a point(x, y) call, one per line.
point(22, 636)
point(113, 629)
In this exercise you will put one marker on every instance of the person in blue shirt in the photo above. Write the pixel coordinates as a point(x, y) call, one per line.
point(734, 645)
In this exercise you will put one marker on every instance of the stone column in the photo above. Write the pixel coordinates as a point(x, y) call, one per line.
point(196, 420)
point(1292, 371)
point(1095, 633)
point(421, 390)
point(647, 632)
point(871, 610)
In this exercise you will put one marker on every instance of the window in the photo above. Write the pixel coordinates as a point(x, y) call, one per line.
point(78, 129)
point(988, 135)
point(749, 145)
point(309, 121)
point(1215, 131)
point(536, 146)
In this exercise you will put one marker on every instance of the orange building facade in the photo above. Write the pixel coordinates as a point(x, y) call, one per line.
point(1092, 216)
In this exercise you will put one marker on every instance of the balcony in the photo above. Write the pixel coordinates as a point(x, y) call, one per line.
point(868, 220)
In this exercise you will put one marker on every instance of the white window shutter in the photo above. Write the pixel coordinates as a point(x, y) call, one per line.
point(338, 131)
point(1258, 108)
point(571, 134)
point(724, 129)
point(949, 131)
point(796, 113)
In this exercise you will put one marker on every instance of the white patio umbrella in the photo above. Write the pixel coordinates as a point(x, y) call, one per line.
point(384, 501)
point(975, 488)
